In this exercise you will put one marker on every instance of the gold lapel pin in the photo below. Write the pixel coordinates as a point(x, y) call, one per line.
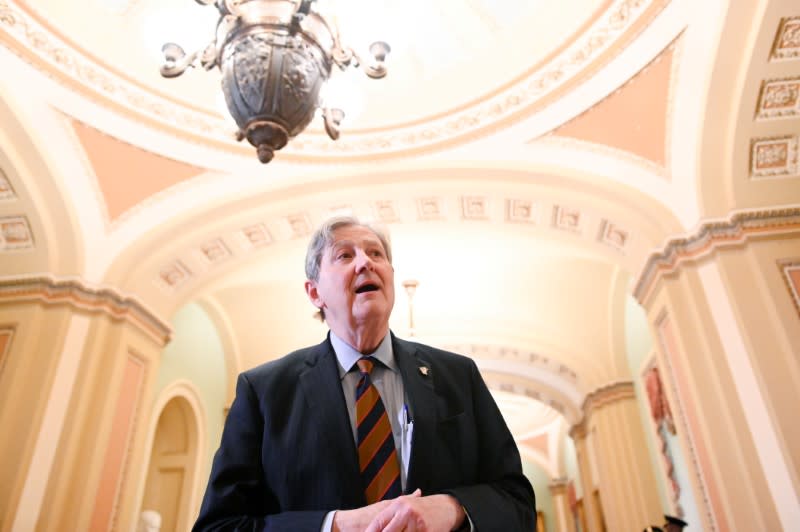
point(424, 370)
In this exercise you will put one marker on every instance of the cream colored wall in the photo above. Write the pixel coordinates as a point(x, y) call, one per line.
point(627, 483)
point(769, 326)
point(27, 375)
point(728, 481)
point(100, 453)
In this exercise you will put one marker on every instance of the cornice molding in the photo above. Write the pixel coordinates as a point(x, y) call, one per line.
point(599, 398)
point(712, 236)
point(559, 486)
point(77, 294)
point(606, 395)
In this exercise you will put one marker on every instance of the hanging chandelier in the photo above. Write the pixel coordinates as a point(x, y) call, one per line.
point(275, 56)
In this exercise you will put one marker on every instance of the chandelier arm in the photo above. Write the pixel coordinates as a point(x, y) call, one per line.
point(174, 65)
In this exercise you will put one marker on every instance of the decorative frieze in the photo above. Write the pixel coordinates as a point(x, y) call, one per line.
point(215, 251)
point(474, 208)
point(15, 233)
point(521, 211)
point(386, 211)
point(299, 225)
point(567, 218)
point(779, 99)
point(174, 275)
point(256, 235)
point(613, 235)
point(430, 209)
point(787, 40)
point(774, 157)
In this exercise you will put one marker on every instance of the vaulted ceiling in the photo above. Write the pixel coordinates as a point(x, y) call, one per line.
point(526, 157)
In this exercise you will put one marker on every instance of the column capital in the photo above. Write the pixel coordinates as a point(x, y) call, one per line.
point(78, 294)
point(711, 236)
point(559, 486)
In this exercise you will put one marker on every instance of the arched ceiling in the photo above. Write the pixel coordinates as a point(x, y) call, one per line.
point(526, 157)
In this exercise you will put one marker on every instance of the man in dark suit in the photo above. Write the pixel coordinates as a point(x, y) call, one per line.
point(365, 431)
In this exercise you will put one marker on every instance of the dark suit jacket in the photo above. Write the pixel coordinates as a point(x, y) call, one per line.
point(287, 455)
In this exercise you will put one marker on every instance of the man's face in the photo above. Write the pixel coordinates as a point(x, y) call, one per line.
point(356, 281)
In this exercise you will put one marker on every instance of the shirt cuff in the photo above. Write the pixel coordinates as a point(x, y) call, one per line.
point(467, 524)
point(327, 524)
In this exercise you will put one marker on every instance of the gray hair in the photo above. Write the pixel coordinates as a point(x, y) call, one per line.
point(323, 238)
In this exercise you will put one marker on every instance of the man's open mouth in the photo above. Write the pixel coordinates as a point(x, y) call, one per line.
point(366, 288)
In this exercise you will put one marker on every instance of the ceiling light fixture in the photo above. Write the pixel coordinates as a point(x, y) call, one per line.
point(275, 56)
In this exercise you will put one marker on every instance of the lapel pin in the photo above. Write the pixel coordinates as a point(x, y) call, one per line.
point(424, 370)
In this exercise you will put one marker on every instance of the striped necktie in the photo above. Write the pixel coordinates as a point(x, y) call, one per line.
point(377, 456)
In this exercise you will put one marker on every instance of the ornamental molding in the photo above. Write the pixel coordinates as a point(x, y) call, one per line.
point(35, 44)
point(607, 395)
point(558, 486)
point(600, 398)
point(775, 157)
point(710, 237)
point(790, 271)
point(787, 40)
point(77, 294)
point(779, 98)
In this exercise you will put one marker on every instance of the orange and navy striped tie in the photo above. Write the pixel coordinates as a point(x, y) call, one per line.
point(377, 456)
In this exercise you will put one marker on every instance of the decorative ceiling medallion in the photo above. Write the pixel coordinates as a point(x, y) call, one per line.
point(174, 275)
point(521, 211)
point(386, 211)
point(787, 40)
point(474, 208)
point(256, 236)
point(215, 251)
point(779, 98)
point(299, 225)
point(774, 157)
point(613, 235)
point(34, 39)
point(429, 209)
point(567, 218)
point(6, 190)
point(15, 233)
point(791, 274)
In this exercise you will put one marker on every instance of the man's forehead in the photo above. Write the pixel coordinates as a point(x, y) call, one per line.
point(353, 234)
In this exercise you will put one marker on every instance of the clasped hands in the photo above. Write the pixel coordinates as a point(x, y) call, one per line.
point(407, 513)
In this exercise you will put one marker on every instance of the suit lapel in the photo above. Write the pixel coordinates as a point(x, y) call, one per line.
point(327, 407)
point(421, 394)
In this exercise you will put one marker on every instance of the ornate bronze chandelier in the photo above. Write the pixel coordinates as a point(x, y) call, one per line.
point(275, 56)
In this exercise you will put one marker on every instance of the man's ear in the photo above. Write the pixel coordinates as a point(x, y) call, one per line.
point(313, 294)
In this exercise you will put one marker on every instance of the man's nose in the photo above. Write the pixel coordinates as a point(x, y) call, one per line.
point(363, 261)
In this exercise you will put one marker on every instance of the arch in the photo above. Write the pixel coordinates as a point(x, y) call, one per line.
point(177, 422)
point(29, 165)
point(230, 344)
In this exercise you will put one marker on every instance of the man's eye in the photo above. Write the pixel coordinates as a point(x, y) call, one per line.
point(343, 255)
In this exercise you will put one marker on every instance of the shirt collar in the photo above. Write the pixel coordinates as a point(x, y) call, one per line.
point(348, 356)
